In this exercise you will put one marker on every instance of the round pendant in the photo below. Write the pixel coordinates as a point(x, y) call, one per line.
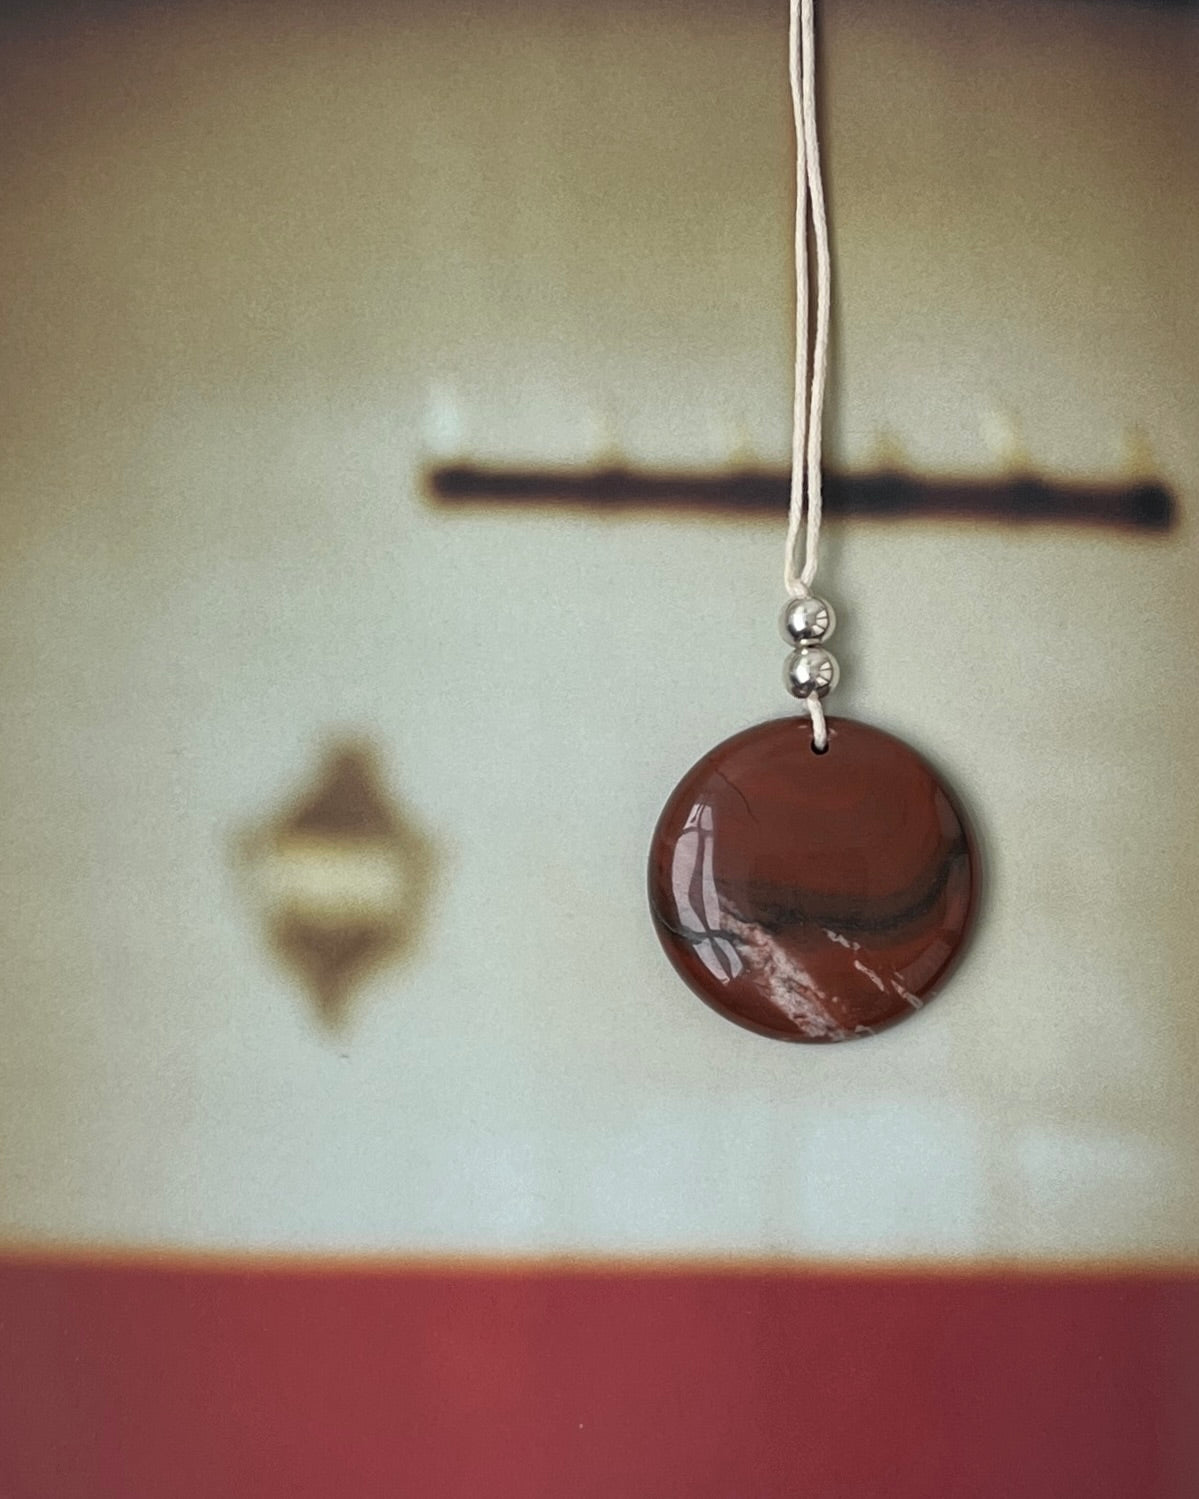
point(812, 897)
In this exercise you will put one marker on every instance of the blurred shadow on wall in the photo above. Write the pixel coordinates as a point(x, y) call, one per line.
point(341, 879)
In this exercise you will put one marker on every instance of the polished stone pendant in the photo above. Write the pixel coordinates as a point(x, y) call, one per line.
point(812, 896)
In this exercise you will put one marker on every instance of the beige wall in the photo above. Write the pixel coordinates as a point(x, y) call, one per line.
point(257, 263)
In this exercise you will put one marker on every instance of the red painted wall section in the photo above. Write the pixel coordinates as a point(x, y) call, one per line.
point(183, 1383)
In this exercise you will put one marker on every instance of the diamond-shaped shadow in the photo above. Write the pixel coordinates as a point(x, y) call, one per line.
point(341, 878)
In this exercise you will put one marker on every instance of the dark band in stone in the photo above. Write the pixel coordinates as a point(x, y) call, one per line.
point(812, 897)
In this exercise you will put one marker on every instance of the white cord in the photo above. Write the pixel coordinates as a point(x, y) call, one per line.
point(819, 727)
point(808, 404)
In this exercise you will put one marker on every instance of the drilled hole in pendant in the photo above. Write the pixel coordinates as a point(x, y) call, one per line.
point(820, 749)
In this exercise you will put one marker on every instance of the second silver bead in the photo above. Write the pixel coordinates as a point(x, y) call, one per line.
point(811, 669)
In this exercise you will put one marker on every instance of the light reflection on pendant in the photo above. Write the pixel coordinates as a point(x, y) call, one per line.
point(692, 857)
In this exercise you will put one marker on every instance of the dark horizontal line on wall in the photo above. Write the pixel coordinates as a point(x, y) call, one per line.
point(1142, 505)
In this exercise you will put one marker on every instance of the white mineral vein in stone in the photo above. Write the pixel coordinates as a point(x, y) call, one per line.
point(913, 999)
point(874, 978)
point(784, 981)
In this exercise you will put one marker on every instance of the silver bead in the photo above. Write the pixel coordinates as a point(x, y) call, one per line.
point(811, 669)
point(807, 621)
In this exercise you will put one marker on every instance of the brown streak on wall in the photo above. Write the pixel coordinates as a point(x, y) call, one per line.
point(1144, 505)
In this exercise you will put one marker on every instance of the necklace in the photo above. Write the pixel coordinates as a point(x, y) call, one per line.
point(811, 878)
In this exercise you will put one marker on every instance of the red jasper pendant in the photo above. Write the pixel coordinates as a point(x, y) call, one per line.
point(812, 896)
